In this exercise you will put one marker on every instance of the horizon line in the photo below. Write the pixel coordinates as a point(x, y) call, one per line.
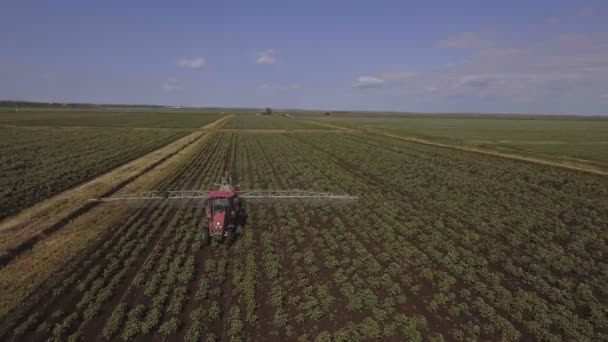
point(7, 103)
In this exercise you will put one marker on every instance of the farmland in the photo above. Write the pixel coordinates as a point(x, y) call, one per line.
point(70, 157)
point(52, 117)
point(269, 122)
point(76, 146)
point(442, 244)
point(567, 140)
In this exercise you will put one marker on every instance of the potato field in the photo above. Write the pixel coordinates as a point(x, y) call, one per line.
point(269, 122)
point(581, 140)
point(442, 245)
point(106, 117)
point(39, 163)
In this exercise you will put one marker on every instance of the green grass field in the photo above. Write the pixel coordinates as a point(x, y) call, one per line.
point(579, 138)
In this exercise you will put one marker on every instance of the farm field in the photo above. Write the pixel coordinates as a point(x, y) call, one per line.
point(109, 117)
point(441, 245)
point(566, 140)
point(36, 164)
point(249, 121)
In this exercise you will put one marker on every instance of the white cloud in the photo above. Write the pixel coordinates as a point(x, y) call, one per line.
point(396, 75)
point(195, 63)
point(566, 66)
point(383, 78)
point(266, 57)
point(278, 87)
point(367, 81)
point(171, 85)
point(466, 40)
point(294, 86)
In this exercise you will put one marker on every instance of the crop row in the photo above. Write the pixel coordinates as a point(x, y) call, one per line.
point(111, 273)
point(269, 122)
point(36, 164)
point(466, 233)
point(117, 118)
point(440, 245)
point(443, 261)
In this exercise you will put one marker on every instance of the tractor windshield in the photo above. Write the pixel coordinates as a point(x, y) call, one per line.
point(221, 204)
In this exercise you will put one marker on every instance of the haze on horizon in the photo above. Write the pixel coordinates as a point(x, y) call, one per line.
point(468, 56)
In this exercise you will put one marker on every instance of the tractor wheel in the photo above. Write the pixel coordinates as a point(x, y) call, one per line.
point(206, 239)
point(230, 236)
point(244, 218)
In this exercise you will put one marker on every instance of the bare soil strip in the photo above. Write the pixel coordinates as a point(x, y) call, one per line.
point(22, 231)
point(567, 165)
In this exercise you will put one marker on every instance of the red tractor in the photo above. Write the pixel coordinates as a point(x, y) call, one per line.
point(226, 216)
point(225, 207)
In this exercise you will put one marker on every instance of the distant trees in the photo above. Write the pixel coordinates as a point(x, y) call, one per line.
point(268, 111)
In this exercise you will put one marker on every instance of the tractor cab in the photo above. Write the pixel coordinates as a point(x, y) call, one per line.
point(220, 204)
point(225, 215)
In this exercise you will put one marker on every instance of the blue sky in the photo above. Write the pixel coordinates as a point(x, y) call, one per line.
point(449, 56)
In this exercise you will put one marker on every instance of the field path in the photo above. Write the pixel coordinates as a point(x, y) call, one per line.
point(59, 229)
point(22, 231)
point(573, 166)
